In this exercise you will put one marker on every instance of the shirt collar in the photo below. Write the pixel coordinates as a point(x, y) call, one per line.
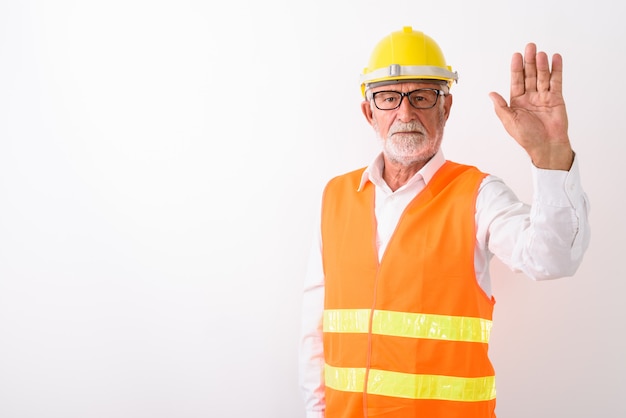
point(374, 172)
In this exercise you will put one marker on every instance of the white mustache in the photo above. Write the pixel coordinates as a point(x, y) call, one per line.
point(406, 127)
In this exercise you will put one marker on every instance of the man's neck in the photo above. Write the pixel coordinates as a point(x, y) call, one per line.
point(397, 175)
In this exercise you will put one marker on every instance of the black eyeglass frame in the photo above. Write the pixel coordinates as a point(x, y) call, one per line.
point(407, 94)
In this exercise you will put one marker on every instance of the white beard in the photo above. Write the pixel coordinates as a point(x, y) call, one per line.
point(408, 149)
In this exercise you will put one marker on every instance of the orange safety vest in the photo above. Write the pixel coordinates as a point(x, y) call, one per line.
point(407, 336)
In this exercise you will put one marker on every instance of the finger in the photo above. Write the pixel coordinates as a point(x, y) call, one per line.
point(543, 72)
point(530, 67)
point(517, 75)
point(500, 106)
point(497, 99)
point(556, 78)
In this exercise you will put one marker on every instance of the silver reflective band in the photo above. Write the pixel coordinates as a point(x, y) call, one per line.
point(416, 71)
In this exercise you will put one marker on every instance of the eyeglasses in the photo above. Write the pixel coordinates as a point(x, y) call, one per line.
point(419, 99)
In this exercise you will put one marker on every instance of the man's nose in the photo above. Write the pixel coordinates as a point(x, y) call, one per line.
point(406, 112)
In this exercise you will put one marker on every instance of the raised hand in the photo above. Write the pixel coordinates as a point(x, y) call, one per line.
point(536, 116)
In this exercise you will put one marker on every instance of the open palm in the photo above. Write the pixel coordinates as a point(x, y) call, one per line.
point(536, 116)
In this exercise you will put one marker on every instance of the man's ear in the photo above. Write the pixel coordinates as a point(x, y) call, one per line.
point(447, 106)
point(366, 108)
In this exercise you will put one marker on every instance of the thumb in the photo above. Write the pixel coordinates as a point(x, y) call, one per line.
point(497, 99)
point(500, 106)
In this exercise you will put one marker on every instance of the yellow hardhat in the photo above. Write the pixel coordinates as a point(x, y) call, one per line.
point(406, 55)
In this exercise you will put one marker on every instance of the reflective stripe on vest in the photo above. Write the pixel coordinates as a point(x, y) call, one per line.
point(406, 324)
point(411, 386)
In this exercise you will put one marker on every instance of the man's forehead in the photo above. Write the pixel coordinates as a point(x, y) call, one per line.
point(399, 84)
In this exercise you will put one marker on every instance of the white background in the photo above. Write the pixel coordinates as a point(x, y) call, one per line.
point(161, 164)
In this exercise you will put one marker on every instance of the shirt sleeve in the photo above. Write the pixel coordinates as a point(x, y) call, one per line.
point(311, 349)
point(545, 240)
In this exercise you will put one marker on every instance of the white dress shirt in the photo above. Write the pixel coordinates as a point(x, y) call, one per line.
point(544, 241)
